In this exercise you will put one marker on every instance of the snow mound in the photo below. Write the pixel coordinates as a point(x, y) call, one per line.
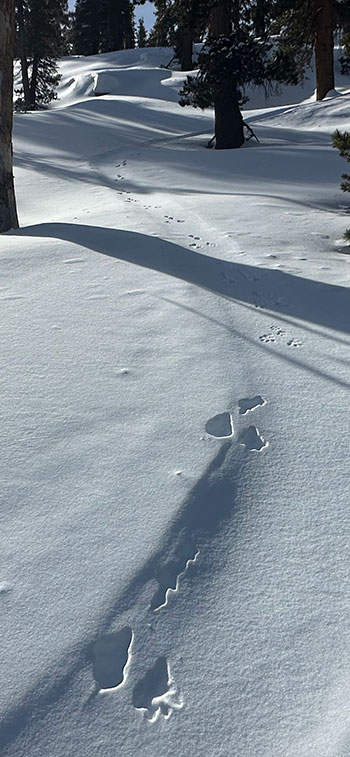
point(326, 115)
point(138, 72)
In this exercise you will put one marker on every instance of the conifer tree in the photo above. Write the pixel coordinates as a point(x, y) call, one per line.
point(65, 44)
point(101, 26)
point(8, 212)
point(39, 39)
point(162, 33)
point(117, 31)
point(141, 35)
point(86, 27)
point(190, 25)
point(307, 27)
point(231, 58)
point(323, 11)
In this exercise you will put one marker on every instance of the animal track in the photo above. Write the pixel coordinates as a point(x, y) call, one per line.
point(252, 440)
point(267, 338)
point(111, 655)
point(220, 426)
point(195, 240)
point(169, 219)
point(156, 693)
point(247, 404)
point(170, 573)
point(278, 331)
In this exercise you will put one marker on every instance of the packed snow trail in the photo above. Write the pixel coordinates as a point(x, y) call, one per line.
point(175, 333)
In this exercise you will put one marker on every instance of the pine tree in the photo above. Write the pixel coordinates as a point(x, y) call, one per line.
point(141, 36)
point(8, 212)
point(101, 26)
point(323, 11)
point(163, 33)
point(117, 30)
point(86, 27)
point(190, 25)
point(341, 141)
point(67, 34)
point(307, 27)
point(129, 25)
point(231, 58)
point(22, 51)
point(344, 60)
point(39, 35)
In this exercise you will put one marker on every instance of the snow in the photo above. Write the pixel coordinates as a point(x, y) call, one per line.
point(175, 437)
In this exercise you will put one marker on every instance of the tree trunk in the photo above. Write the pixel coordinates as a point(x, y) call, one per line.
point(8, 212)
point(324, 45)
point(220, 20)
point(260, 18)
point(23, 53)
point(228, 118)
point(186, 49)
point(33, 82)
point(228, 121)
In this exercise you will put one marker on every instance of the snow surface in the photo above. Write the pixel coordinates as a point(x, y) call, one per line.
point(164, 589)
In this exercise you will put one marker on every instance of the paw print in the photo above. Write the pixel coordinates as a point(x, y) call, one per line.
point(267, 338)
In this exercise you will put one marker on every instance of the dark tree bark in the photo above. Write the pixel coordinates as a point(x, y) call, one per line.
point(33, 82)
point(324, 46)
point(23, 52)
point(8, 212)
point(260, 18)
point(186, 49)
point(229, 132)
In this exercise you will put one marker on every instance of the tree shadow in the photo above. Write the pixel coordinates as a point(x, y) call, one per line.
point(309, 301)
point(208, 506)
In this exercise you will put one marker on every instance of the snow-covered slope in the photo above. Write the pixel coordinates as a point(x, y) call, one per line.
point(175, 367)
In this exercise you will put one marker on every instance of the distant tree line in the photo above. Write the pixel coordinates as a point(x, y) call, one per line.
point(261, 42)
point(40, 41)
point(101, 26)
